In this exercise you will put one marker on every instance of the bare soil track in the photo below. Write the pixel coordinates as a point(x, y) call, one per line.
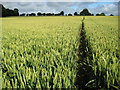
point(84, 74)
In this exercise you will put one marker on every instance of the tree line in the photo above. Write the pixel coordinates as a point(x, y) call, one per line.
point(8, 12)
point(43, 14)
point(15, 12)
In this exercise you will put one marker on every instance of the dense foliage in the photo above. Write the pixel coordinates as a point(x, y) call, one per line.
point(8, 12)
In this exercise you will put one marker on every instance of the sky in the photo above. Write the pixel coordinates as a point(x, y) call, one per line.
point(68, 7)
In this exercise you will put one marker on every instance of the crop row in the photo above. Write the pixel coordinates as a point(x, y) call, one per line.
point(102, 34)
point(55, 52)
point(39, 52)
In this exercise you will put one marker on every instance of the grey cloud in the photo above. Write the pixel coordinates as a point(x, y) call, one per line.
point(67, 7)
point(23, 4)
point(10, 5)
point(107, 9)
point(60, 0)
point(83, 5)
point(60, 4)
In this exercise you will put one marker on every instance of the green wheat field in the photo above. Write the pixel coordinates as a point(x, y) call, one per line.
point(60, 52)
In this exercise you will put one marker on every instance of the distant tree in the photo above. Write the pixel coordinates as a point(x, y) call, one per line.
point(52, 14)
point(97, 14)
point(49, 14)
point(102, 14)
point(4, 12)
point(16, 12)
point(8, 12)
point(43, 14)
point(32, 14)
point(27, 14)
point(92, 14)
point(65, 14)
point(39, 14)
point(69, 14)
point(23, 14)
point(62, 13)
point(58, 14)
point(111, 15)
point(75, 14)
point(85, 12)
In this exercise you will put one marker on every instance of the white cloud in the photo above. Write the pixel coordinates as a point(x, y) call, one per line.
point(67, 7)
point(107, 9)
point(60, 0)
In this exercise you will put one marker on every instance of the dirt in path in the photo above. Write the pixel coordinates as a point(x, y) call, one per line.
point(84, 71)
